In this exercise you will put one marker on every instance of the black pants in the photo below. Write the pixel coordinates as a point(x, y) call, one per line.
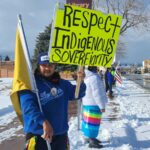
point(59, 142)
point(110, 88)
point(106, 86)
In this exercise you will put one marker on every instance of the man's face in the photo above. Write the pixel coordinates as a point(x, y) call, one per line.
point(47, 69)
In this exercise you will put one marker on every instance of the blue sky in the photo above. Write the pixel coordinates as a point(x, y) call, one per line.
point(37, 14)
point(137, 46)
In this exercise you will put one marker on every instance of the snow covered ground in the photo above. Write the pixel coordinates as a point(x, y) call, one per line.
point(7, 114)
point(125, 124)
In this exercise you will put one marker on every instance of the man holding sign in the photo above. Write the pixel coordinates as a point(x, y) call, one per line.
point(54, 94)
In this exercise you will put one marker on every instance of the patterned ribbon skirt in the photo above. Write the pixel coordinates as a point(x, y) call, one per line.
point(91, 120)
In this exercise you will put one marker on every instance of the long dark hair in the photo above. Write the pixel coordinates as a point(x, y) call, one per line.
point(92, 68)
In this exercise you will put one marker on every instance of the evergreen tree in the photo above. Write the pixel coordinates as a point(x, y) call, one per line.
point(42, 42)
point(7, 58)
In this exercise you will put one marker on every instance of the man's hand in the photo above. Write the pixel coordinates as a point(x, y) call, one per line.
point(81, 74)
point(48, 131)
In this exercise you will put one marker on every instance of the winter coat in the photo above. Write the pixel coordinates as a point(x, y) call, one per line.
point(110, 77)
point(95, 92)
point(54, 100)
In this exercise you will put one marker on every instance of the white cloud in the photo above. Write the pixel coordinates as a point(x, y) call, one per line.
point(136, 36)
point(31, 14)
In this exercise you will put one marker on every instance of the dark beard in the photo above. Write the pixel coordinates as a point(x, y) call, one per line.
point(54, 78)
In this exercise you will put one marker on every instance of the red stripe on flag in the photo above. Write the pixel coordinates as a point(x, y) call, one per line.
point(118, 77)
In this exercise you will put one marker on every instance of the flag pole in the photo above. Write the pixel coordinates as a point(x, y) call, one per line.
point(28, 59)
point(57, 5)
point(27, 56)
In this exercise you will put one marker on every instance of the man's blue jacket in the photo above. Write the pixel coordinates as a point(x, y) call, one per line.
point(54, 100)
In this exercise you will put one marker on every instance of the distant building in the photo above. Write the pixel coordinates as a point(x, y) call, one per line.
point(146, 66)
point(6, 69)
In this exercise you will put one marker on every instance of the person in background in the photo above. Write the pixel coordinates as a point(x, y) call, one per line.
point(94, 103)
point(109, 79)
point(113, 74)
point(106, 80)
point(100, 72)
point(54, 94)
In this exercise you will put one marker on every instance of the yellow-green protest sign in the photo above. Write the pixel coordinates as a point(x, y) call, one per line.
point(84, 37)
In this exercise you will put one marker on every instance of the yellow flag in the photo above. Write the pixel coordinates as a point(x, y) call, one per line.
point(32, 143)
point(22, 75)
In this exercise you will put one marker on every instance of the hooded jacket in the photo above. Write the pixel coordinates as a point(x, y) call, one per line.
point(95, 94)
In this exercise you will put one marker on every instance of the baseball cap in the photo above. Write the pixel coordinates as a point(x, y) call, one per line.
point(43, 58)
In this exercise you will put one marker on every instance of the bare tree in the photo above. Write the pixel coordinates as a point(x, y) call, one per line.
point(134, 13)
point(121, 49)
